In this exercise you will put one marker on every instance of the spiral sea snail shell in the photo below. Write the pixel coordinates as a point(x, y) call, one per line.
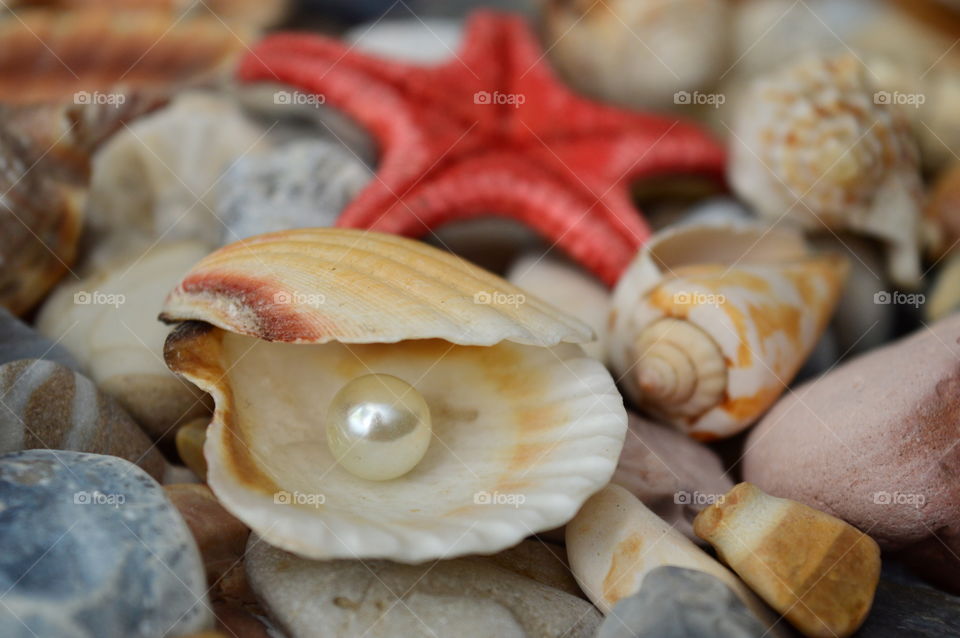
point(712, 321)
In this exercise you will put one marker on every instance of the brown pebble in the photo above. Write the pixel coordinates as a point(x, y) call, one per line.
point(220, 536)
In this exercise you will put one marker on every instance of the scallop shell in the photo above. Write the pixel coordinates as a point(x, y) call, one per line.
point(50, 56)
point(637, 53)
point(711, 322)
point(45, 158)
point(816, 144)
point(526, 425)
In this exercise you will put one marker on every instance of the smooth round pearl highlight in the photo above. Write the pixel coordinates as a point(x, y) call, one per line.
point(378, 427)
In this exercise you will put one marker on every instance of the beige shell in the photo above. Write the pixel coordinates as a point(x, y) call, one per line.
point(816, 145)
point(943, 210)
point(712, 321)
point(568, 288)
point(818, 571)
point(526, 427)
point(51, 55)
point(945, 292)
point(159, 177)
point(638, 53)
point(109, 322)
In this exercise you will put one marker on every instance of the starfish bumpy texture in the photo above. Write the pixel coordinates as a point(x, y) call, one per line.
point(492, 131)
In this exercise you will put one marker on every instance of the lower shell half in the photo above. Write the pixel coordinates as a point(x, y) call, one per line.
point(522, 435)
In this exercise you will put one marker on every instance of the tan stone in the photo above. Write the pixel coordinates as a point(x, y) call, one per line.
point(818, 571)
point(541, 561)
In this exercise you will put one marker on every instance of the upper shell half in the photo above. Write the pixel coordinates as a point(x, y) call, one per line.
point(712, 321)
point(525, 426)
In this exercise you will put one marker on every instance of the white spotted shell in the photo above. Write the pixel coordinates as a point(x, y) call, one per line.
point(817, 145)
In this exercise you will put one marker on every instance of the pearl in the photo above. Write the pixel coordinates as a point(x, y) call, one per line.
point(378, 427)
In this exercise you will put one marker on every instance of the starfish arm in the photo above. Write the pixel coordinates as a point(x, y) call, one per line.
point(492, 131)
point(608, 167)
point(498, 186)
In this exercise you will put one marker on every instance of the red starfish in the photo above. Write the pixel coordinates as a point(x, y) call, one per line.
point(558, 162)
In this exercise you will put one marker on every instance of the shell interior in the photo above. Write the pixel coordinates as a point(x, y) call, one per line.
point(522, 435)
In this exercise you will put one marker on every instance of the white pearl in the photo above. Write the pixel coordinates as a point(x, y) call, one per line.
point(378, 427)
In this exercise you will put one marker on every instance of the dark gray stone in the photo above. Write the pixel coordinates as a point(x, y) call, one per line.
point(20, 341)
point(92, 548)
point(900, 609)
point(681, 603)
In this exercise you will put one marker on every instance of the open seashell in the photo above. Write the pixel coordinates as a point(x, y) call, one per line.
point(525, 425)
point(45, 156)
point(711, 322)
point(52, 56)
point(816, 144)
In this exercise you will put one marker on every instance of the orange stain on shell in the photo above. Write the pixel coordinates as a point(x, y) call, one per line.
point(627, 556)
point(749, 408)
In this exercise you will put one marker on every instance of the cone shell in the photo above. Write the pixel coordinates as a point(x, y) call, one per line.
point(818, 146)
point(49, 55)
point(712, 321)
point(525, 427)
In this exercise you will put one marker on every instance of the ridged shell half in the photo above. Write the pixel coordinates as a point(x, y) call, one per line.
point(712, 321)
point(525, 427)
point(49, 55)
